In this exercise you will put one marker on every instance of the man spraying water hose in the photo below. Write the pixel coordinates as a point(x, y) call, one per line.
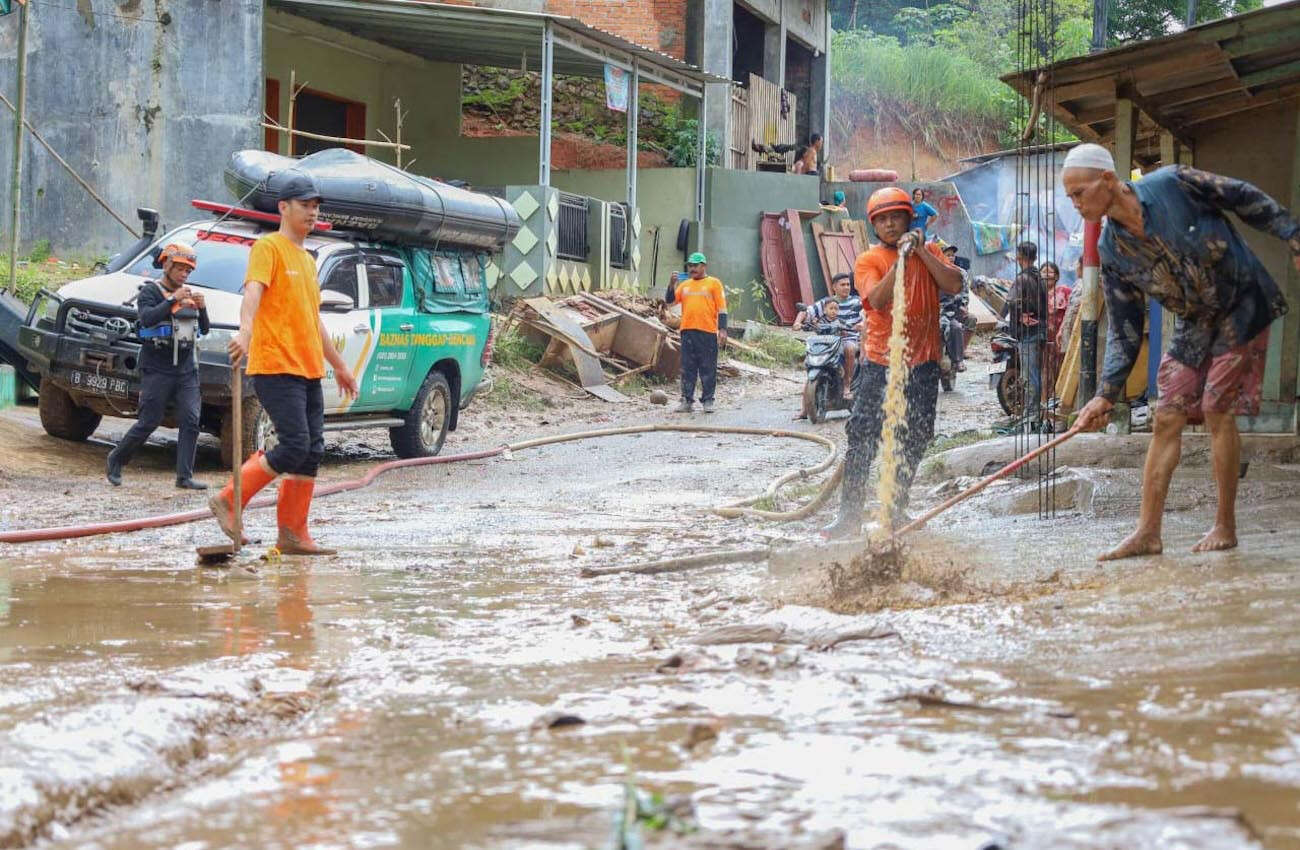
point(281, 332)
point(925, 275)
point(1167, 238)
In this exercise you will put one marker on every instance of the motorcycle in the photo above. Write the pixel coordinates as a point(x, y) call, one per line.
point(824, 362)
point(1004, 373)
point(956, 326)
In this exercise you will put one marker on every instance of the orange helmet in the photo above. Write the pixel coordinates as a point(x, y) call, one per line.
point(887, 200)
point(178, 253)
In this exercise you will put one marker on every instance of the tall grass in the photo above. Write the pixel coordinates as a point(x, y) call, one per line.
point(932, 93)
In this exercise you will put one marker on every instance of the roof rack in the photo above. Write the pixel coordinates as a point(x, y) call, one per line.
point(246, 214)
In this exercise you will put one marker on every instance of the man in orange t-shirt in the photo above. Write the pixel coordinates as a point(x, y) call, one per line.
point(704, 326)
point(925, 275)
point(281, 332)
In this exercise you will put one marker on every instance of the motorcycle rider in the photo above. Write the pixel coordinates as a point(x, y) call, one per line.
point(926, 275)
point(171, 317)
point(955, 308)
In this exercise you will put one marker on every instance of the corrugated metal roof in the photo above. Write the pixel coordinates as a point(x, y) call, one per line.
point(1206, 74)
point(503, 38)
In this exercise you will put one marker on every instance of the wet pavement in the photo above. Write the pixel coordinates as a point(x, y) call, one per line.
point(450, 680)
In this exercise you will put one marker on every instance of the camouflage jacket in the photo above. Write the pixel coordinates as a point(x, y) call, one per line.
point(1195, 264)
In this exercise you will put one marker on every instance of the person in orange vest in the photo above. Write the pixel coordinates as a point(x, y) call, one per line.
point(703, 329)
point(281, 332)
point(926, 275)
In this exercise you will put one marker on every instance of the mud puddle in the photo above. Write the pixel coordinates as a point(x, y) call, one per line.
point(468, 689)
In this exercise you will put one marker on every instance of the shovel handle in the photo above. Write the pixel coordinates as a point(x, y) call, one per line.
point(237, 446)
point(1001, 473)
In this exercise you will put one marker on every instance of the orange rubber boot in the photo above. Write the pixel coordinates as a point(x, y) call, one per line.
point(291, 515)
point(255, 474)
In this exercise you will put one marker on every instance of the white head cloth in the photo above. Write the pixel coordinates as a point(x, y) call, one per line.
point(1089, 155)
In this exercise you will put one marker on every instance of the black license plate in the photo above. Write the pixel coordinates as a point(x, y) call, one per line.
point(101, 384)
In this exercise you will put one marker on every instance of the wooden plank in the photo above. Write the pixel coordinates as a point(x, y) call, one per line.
point(1223, 108)
point(1082, 130)
point(799, 254)
point(1260, 42)
point(1170, 98)
point(1287, 72)
point(841, 254)
point(1084, 88)
point(818, 232)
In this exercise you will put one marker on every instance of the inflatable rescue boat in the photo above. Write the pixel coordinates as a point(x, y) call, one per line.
point(383, 202)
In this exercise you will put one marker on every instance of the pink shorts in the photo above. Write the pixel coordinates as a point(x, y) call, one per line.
point(1228, 383)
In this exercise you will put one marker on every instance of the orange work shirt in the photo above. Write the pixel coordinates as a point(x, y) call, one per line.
point(922, 309)
point(286, 328)
point(702, 300)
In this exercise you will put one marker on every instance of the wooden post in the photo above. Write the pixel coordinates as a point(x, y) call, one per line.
point(397, 104)
point(20, 118)
point(1289, 374)
point(1126, 116)
point(293, 106)
point(1168, 148)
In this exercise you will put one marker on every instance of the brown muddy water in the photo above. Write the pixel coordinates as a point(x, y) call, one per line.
point(401, 694)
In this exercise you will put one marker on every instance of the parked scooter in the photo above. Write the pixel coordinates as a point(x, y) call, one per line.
point(824, 362)
point(1004, 374)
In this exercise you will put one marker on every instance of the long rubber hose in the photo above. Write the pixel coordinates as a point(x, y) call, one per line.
point(35, 535)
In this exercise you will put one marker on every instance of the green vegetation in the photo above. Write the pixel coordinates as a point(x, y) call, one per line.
point(512, 350)
point(34, 273)
point(776, 348)
point(934, 69)
point(932, 94)
point(494, 100)
point(507, 391)
point(509, 99)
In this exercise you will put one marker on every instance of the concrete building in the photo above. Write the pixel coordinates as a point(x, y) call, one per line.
point(160, 95)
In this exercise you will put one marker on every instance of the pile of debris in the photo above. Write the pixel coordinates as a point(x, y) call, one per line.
point(608, 338)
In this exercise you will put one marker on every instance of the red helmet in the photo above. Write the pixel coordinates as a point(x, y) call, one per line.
point(888, 200)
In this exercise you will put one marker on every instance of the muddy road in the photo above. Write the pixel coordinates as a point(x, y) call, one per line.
point(449, 680)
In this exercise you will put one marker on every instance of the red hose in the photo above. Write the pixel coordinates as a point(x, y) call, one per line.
point(66, 532)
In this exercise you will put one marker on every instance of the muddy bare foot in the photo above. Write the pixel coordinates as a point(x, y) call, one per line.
point(1136, 545)
point(1216, 540)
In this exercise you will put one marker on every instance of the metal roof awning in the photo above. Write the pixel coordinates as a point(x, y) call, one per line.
point(502, 38)
point(1207, 73)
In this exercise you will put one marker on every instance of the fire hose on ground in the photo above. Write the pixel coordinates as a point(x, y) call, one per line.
point(734, 509)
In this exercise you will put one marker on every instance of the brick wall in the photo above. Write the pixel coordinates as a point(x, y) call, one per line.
point(657, 24)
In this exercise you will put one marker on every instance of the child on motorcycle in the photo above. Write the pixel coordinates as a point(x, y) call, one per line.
point(823, 318)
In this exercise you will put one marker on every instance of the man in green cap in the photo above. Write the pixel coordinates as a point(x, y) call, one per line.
point(703, 328)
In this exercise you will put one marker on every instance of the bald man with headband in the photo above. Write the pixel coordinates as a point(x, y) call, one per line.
point(1167, 238)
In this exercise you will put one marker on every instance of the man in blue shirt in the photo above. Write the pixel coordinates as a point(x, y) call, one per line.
point(1167, 238)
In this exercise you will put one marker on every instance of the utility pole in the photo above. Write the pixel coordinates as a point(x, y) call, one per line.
point(1191, 13)
point(20, 116)
point(1100, 26)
